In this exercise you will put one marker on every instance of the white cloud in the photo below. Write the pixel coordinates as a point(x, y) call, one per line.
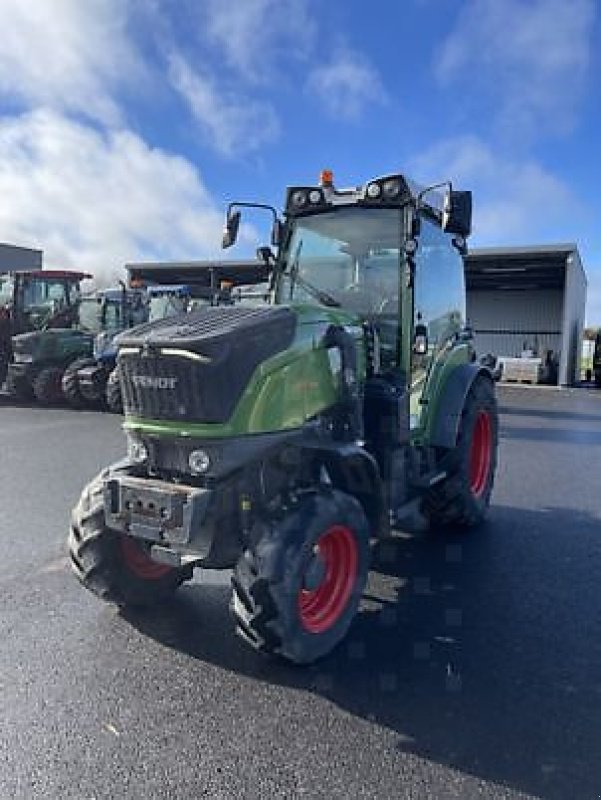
point(255, 34)
point(529, 56)
point(67, 54)
point(95, 201)
point(347, 84)
point(233, 124)
point(515, 200)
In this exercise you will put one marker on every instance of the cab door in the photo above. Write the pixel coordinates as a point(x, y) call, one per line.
point(439, 308)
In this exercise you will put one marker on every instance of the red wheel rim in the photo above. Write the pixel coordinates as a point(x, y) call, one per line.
point(480, 454)
point(320, 608)
point(140, 563)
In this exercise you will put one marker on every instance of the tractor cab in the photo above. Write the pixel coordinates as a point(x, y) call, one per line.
point(386, 256)
point(40, 298)
point(32, 300)
point(105, 314)
point(167, 301)
point(110, 311)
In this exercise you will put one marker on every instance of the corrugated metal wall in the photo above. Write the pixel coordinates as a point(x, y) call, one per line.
point(506, 322)
point(12, 257)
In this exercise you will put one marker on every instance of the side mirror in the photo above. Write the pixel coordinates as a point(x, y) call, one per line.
point(457, 213)
point(265, 254)
point(230, 232)
point(276, 233)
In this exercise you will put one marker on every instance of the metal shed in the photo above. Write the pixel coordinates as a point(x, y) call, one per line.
point(528, 298)
point(19, 258)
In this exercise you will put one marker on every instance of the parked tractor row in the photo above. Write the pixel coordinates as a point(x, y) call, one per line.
point(59, 347)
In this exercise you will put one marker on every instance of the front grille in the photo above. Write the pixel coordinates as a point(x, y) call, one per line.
point(184, 389)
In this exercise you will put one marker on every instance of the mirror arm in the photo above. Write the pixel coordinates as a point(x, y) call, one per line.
point(239, 204)
point(420, 197)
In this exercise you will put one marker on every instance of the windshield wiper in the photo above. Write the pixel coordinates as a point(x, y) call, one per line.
point(323, 297)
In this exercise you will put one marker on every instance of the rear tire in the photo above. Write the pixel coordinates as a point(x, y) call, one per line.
point(462, 499)
point(70, 382)
point(47, 386)
point(113, 566)
point(297, 587)
point(113, 397)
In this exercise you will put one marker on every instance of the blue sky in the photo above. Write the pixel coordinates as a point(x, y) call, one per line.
point(126, 125)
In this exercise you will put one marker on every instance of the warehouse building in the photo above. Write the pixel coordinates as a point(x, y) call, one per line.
point(19, 258)
point(528, 303)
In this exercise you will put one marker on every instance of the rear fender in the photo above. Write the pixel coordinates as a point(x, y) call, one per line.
point(445, 426)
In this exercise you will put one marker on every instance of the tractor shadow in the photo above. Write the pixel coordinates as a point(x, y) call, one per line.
point(482, 652)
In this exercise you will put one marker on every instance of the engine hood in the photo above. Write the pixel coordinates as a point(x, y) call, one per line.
point(53, 337)
point(197, 365)
point(201, 367)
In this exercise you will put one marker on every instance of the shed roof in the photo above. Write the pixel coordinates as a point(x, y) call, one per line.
point(519, 268)
point(203, 273)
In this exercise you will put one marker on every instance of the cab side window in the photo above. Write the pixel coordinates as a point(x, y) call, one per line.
point(439, 284)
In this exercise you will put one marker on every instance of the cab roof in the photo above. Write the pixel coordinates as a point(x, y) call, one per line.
point(50, 274)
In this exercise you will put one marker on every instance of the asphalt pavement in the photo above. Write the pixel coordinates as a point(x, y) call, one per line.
point(473, 669)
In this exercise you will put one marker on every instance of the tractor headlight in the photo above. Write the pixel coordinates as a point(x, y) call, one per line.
point(374, 190)
point(391, 189)
point(299, 199)
point(315, 196)
point(136, 450)
point(199, 462)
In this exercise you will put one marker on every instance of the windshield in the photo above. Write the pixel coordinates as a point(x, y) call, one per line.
point(38, 293)
point(166, 306)
point(113, 316)
point(348, 258)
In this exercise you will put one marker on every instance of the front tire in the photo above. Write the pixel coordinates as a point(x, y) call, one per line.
point(462, 499)
point(115, 567)
point(47, 386)
point(70, 382)
point(297, 587)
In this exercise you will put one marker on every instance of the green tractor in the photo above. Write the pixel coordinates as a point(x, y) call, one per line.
point(44, 361)
point(32, 300)
point(281, 440)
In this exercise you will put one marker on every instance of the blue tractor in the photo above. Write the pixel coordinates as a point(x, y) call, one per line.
point(162, 302)
point(178, 287)
point(106, 313)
